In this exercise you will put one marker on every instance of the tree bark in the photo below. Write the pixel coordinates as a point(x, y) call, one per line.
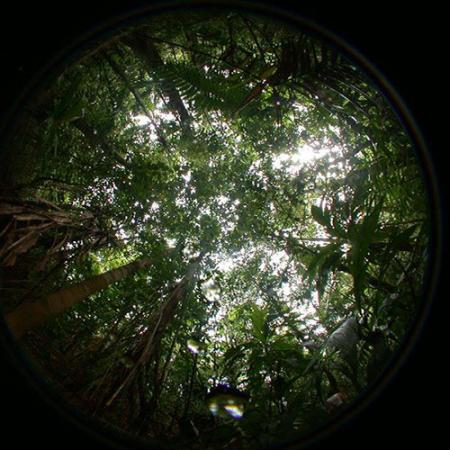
point(159, 323)
point(31, 315)
point(121, 74)
point(97, 140)
point(146, 51)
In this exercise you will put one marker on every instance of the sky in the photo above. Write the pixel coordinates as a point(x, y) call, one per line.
point(290, 162)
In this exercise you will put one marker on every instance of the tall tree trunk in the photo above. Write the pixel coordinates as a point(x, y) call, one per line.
point(159, 323)
point(145, 50)
point(139, 100)
point(31, 315)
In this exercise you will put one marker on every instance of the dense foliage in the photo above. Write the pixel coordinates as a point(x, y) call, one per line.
point(278, 204)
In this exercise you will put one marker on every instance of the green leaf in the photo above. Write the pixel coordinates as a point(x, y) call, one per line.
point(337, 230)
point(258, 317)
point(313, 265)
point(321, 217)
point(267, 73)
point(326, 257)
point(362, 236)
point(234, 353)
point(69, 109)
point(404, 237)
point(332, 259)
point(370, 222)
point(281, 344)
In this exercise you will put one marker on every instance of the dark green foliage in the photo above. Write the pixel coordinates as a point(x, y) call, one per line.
point(292, 201)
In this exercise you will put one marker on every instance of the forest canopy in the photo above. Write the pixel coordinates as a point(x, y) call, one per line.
point(214, 230)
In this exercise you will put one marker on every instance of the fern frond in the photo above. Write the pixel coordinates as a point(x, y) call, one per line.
point(207, 90)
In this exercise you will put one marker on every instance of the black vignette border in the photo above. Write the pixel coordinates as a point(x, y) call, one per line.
point(406, 44)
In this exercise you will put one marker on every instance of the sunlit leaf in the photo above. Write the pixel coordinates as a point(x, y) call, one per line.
point(258, 318)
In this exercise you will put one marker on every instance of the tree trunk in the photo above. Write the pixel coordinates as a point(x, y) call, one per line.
point(159, 323)
point(121, 74)
point(31, 315)
point(146, 51)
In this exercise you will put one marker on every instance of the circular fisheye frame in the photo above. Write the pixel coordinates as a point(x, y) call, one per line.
point(218, 229)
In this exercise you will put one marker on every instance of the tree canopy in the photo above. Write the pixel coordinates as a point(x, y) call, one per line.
point(266, 214)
